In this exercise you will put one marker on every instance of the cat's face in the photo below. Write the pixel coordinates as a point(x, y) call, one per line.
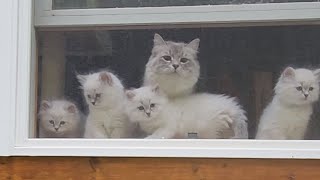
point(178, 59)
point(298, 86)
point(145, 104)
point(95, 88)
point(58, 117)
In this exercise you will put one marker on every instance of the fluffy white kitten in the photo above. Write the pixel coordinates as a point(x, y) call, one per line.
point(161, 118)
point(287, 116)
point(173, 66)
point(148, 107)
point(105, 96)
point(59, 119)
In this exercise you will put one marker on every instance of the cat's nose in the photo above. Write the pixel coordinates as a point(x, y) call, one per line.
point(148, 114)
point(175, 66)
point(93, 103)
point(56, 129)
point(306, 95)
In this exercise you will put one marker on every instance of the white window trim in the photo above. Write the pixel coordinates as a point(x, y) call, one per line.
point(303, 12)
point(19, 114)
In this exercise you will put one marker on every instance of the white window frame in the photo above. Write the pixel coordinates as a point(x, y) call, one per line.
point(21, 50)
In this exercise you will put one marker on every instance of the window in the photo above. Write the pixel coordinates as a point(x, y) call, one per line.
point(243, 49)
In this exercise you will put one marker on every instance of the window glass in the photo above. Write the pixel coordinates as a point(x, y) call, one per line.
point(87, 4)
point(241, 62)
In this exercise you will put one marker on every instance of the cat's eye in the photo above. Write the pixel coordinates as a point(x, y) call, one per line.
point(62, 122)
point(167, 58)
point(184, 60)
point(98, 95)
point(89, 96)
point(141, 108)
point(51, 122)
point(310, 88)
point(299, 88)
point(152, 105)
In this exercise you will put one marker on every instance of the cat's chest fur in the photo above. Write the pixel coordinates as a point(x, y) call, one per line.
point(107, 117)
point(151, 126)
point(174, 85)
point(293, 120)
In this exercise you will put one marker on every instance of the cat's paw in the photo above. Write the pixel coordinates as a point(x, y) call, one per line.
point(226, 120)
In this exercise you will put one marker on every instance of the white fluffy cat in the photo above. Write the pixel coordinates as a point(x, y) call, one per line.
point(287, 116)
point(59, 119)
point(105, 96)
point(173, 66)
point(161, 118)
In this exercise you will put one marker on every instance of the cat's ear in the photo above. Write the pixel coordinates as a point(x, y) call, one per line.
point(317, 73)
point(45, 105)
point(72, 109)
point(130, 94)
point(288, 73)
point(106, 78)
point(81, 78)
point(158, 40)
point(156, 89)
point(194, 44)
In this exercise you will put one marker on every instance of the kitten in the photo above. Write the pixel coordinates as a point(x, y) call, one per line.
point(59, 119)
point(161, 118)
point(173, 66)
point(287, 116)
point(147, 106)
point(104, 93)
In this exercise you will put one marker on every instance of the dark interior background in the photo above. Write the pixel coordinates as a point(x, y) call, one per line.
point(240, 61)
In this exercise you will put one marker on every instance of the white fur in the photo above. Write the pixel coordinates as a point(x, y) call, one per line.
point(210, 116)
point(106, 118)
point(158, 124)
point(52, 113)
point(173, 82)
point(287, 116)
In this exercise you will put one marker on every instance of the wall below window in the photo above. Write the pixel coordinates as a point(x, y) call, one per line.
point(156, 168)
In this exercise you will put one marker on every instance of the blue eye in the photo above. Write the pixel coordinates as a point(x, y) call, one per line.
point(152, 105)
point(311, 88)
point(299, 88)
point(141, 108)
point(51, 122)
point(62, 122)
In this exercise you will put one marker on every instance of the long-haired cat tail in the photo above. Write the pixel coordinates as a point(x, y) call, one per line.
point(173, 66)
point(59, 119)
point(104, 94)
point(288, 114)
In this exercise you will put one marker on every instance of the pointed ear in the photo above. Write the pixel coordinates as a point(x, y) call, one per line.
point(158, 40)
point(130, 94)
point(194, 44)
point(45, 105)
point(317, 73)
point(156, 89)
point(288, 73)
point(106, 78)
point(81, 78)
point(72, 109)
